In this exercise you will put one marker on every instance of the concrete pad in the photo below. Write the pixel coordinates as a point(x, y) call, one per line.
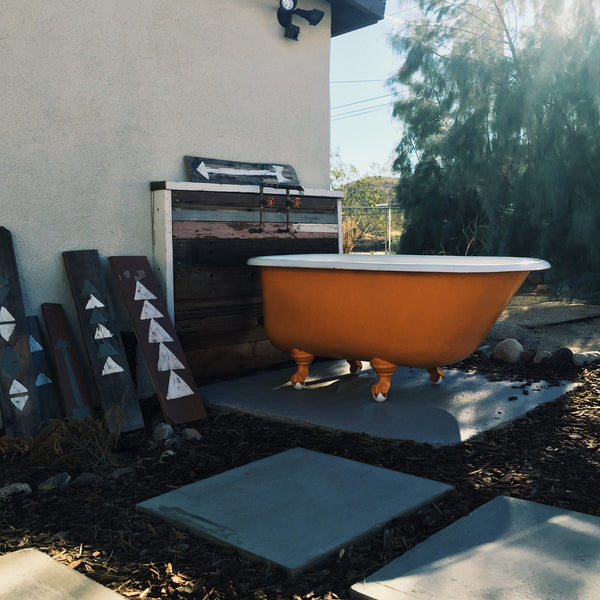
point(507, 549)
point(294, 508)
point(464, 405)
point(32, 575)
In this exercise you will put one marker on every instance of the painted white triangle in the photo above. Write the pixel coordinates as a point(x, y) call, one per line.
point(6, 330)
point(167, 361)
point(157, 334)
point(142, 292)
point(177, 387)
point(102, 333)
point(20, 401)
point(42, 379)
point(17, 388)
point(149, 311)
point(34, 345)
point(110, 367)
point(93, 302)
point(5, 316)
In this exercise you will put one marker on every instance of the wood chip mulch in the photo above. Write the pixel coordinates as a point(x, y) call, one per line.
point(551, 455)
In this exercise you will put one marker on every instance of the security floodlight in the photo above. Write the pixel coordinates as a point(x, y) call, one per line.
point(287, 8)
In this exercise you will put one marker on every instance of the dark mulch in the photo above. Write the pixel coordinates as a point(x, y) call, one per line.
point(551, 455)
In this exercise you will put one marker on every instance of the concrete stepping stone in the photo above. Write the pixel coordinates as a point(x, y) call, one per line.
point(32, 575)
point(295, 508)
point(507, 549)
point(464, 405)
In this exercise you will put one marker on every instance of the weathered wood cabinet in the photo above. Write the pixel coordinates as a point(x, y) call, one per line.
point(203, 234)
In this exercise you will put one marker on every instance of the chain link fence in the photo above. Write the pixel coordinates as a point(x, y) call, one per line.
point(370, 228)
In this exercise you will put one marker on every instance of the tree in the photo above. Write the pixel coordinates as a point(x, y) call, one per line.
point(501, 146)
point(364, 218)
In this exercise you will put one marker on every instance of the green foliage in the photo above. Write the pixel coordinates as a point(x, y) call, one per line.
point(501, 146)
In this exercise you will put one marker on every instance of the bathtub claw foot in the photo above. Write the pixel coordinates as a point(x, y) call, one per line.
point(355, 366)
point(302, 360)
point(436, 374)
point(384, 370)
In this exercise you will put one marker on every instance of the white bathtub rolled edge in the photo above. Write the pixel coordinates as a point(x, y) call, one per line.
point(403, 262)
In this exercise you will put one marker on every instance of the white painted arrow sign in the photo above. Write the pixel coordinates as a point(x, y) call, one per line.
point(206, 171)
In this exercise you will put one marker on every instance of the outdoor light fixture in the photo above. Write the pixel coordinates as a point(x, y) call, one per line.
point(287, 8)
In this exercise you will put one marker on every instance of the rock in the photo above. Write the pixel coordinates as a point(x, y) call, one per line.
point(162, 431)
point(14, 488)
point(583, 359)
point(562, 356)
point(541, 356)
point(55, 482)
point(508, 350)
point(190, 433)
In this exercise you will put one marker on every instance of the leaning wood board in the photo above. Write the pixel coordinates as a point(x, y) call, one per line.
point(173, 380)
point(18, 395)
point(105, 351)
point(45, 379)
point(77, 401)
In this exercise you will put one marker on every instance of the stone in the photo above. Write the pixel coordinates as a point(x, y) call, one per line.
point(55, 482)
point(189, 433)
point(162, 432)
point(508, 350)
point(562, 356)
point(583, 359)
point(541, 356)
point(14, 488)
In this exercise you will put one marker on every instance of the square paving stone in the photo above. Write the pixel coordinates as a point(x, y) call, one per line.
point(32, 575)
point(507, 549)
point(464, 405)
point(295, 508)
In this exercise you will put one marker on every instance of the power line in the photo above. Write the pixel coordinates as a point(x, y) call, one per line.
point(363, 101)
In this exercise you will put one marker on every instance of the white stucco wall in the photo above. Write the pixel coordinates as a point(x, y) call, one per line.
point(101, 98)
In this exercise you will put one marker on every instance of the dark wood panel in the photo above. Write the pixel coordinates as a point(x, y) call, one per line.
point(105, 350)
point(173, 380)
point(77, 400)
point(210, 200)
point(235, 253)
point(18, 395)
point(204, 327)
point(218, 286)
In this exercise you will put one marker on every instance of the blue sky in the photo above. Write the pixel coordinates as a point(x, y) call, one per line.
point(362, 129)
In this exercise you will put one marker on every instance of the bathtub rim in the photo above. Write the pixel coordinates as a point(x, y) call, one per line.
point(402, 263)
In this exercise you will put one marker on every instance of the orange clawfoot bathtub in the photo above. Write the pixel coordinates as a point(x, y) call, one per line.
point(414, 311)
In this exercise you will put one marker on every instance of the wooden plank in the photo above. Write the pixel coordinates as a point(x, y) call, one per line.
point(18, 395)
point(231, 253)
point(214, 287)
point(252, 217)
point(215, 200)
point(213, 170)
point(248, 230)
point(218, 325)
point(105, 351)
point(77, 401)
point(45, 379)
point(173, 380)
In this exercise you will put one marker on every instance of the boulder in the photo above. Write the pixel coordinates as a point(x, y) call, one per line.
point(508, 350)
point(583, 359)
